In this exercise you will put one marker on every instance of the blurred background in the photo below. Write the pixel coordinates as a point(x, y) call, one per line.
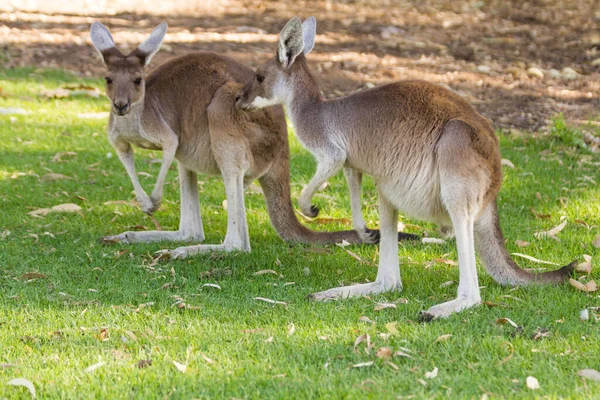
point(520, 63)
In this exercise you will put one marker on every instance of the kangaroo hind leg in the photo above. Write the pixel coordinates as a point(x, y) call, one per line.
point(464, 181)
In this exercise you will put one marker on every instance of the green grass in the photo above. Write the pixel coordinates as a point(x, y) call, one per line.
point(51, 328)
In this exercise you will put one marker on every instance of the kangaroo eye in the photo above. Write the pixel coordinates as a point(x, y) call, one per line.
point(137, 81)
point(108, 80)
point(260, 78)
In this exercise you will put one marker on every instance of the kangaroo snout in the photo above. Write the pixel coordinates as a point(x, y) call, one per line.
point(240, 104)
point(121, 107)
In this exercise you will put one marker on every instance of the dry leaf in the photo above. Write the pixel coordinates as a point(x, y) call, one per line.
point(446, 284)
point(521, 243)
point(443, 338)
point(291, 329)
point(504, 321)
point(384, 352)
point(588, 287)
point(586, 266)
point(583, 223)
point(400, 353)
point(535, 260)
point(265, 271)
point(532, 383)
point(269, 339)
point(103, 335)
point(67, 207)
point(507, 162)
point(283, 303)
point(364, 364)
point(446, 261)
point(391, 327)
point(589, 374)
point(33, 275)
point(391, 364)
point(431, 374)
point(213, 285)
point(24, 383)
point(552, 232)
point(597, 242)
point(205, 358)
point(584, 314)
point(362, 338)
point(51, 177)
point(181, 367)
point(94, 367)
point(366, 319)
point(433, 241)
point(538, 215)
point(144, 363)
point(382, 306)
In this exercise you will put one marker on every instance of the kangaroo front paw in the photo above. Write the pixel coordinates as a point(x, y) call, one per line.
point(156, 202)
point(146, 205)
point(311, 212)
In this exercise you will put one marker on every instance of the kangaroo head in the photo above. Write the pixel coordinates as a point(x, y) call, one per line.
point(273, 81)
point(125, 73)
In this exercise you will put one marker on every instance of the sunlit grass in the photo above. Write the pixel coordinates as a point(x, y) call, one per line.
point(51, 329)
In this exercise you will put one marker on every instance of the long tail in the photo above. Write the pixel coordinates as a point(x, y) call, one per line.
point(498, 262)
point(276, 188)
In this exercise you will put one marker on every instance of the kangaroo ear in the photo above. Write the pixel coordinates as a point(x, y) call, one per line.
point(290, 42)
point(150, 46)
point(101, 39)
point(309, 31)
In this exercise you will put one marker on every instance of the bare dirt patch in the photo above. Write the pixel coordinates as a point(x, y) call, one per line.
point(519, 63)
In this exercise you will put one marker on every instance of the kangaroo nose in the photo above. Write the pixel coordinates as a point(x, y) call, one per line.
point(121, 107)
point(238, 96)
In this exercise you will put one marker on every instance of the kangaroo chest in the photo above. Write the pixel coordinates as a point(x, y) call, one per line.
point(129, 129)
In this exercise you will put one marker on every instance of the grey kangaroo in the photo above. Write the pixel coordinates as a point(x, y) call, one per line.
point(186, 108)
point(430, 153)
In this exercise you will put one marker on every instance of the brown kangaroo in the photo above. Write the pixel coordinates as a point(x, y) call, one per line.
point(430, 153)
point(186, 108)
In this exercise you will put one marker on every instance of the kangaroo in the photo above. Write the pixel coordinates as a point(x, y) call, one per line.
point(430, 153)
point(186, 108)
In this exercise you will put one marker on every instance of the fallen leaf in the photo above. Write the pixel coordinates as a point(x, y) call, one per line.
point(366, 319)
point(364, 364)
point(589, 374)
point(507, 162)
point(291, 329)
point(33, 275)
point(586, 266)
point(94, 367)
point(532, 383)
point(521, 243)
point(446, 284)
point(588, 287)
point(400, 353)
point(442, 338)
point(362, 338)
point(213, 285)
point(205, 358)
point(265, 271)
point(431, 374)
point(507, 358)
point(540, 333)
point(446, 261)
point(552, 232)
point(283, 303)
point(391, 327)
point(67, 207)
point(383, 306)
point(391, 364)
point(269, 339)
point(583, 223)
point(504, 321)
point(597, 242)
point(181, 367)
point(24, 383)
point(144, 363)
point(51, 177)
point(384, 352)
point(538, 215)
point(535, 260)
point(433, 241)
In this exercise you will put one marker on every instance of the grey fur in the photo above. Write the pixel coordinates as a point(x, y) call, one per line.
point(290, 42)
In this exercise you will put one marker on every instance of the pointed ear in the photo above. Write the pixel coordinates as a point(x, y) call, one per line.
point(309, 31)
point(101, 39)
point(150, 46)
point(290, 42)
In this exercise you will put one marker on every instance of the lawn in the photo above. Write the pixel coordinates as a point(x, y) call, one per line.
point(84, 320)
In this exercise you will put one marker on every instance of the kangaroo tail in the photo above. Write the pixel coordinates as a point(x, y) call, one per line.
point(489, 242)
